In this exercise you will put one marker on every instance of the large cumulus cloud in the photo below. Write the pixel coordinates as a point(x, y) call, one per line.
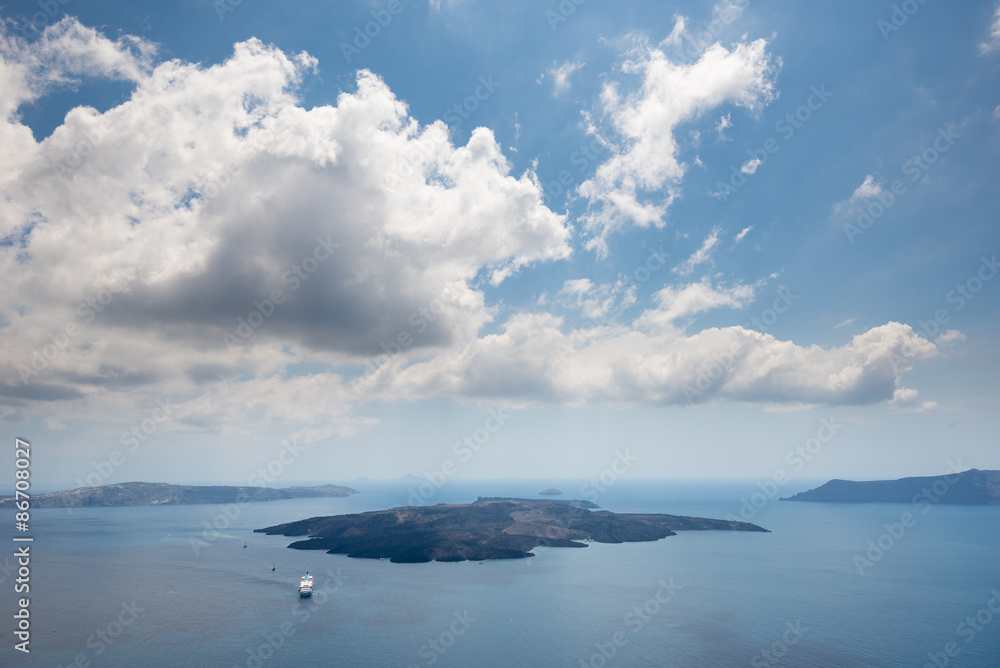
point(210, 239)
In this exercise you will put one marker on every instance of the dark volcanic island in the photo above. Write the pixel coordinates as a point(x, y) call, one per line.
point(486, 529)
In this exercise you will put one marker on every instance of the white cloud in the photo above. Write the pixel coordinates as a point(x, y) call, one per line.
point(750, 166)
point(729, 11)
point(561, 76)
point(906, 399)
point(65, 53)
point(868, 189)
point(640, 180)
point(534, 360)
point(845, 323)
point(721, 127)
point(700, 256)
point(993, 41)
point(210, 187)
point(199, 196)
point(676, 302)
point(950, 338)
point(577, 286)
point(742, 234)
point(677, 35)
point(598, 303)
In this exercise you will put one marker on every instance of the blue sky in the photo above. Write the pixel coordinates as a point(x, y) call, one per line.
point(690, 231)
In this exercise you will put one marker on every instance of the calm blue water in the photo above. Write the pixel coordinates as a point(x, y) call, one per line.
point(125, 587)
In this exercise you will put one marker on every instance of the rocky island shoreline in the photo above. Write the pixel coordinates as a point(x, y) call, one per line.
point(490, 528)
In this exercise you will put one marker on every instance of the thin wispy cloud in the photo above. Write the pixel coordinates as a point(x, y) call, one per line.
point(742, 234)
point(721, 127)
point(992, 42)
point(750, 166)
point(561, 76)
point(700, 256)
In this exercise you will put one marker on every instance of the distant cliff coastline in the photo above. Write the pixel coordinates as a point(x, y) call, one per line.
point(159, 493)
point(972, 487)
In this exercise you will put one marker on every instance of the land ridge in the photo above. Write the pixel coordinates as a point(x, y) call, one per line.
point(161, 493)
point(971, 487)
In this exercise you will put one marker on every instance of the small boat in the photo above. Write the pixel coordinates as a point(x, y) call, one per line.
point(306, 585)
point(244, 546)
point(273, 567)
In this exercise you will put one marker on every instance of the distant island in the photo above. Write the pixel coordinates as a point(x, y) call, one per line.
point(550, 492)
point(972, 487)
point(160, 493)
point(490, 528)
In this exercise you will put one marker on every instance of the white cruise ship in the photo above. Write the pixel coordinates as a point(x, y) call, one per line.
point(306, 585)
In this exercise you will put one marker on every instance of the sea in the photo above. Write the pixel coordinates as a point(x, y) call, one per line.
point(831, 585)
